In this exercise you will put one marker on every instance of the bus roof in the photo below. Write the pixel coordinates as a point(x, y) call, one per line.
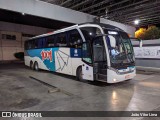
point(105, 26)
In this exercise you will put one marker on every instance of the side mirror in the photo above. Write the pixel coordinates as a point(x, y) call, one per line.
point(112, 41)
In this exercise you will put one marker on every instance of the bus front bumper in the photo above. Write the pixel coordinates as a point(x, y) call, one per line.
point(114, 77)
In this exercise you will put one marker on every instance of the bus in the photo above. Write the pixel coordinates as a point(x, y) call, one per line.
point(90, 51)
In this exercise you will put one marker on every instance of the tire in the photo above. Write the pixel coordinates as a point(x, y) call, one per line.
point(31, 65)
point(79, 74)
point(36, 67)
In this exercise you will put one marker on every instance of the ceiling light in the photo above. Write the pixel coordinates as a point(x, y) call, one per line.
point(136, 22)
point(90, 33)
point(112, 32)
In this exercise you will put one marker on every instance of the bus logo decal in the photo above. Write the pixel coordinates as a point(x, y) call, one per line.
point(75, 52)
point(46, 55)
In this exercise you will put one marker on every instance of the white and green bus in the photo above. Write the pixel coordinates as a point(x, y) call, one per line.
point(91, 51)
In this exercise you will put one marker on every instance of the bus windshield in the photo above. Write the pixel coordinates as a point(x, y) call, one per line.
point(120, 47)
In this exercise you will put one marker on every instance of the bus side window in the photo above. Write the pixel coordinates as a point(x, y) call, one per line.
point(31, 44)
point(35, 43)
point(86, 52)
point(50, 41)
point(44, 42)
point(75, 39)
point(40, 43)
point(61, 40)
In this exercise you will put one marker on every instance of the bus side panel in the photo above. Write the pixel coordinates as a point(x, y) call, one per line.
point(27, 60)
point(45, 58)
point(63, 61)
point(76, 62)
point(41, 65)
point(76, 59)
point(67, 60)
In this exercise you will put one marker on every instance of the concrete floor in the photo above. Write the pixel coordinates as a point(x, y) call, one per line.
point(18, 91)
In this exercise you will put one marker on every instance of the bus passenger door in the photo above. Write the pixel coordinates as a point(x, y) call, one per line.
point(87, 66)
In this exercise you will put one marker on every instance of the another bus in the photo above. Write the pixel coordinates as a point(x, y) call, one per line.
point(95, 52)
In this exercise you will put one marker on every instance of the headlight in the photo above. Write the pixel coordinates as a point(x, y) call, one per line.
point(114, 79)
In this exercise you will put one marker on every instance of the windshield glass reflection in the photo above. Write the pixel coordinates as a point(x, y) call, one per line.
point(120, 47)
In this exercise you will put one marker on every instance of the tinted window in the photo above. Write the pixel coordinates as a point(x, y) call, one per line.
point(90, 33)
point(31, 44)
point(50, 41)
point(99, 52)
point(75, 39)
point(35, 43)
point(41, 42)
point(61, 40)
point(86, 53)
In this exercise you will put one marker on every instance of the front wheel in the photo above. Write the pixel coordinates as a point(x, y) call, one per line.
point(79, 74)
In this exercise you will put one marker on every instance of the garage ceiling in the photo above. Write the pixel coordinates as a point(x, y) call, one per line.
point(124, 11)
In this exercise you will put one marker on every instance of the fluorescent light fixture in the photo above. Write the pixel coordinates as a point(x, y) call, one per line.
point(112, 33)
point(90, 33)
point(136, 22)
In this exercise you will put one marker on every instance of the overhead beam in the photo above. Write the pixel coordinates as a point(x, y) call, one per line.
point(95, 5)
point(150, 23)
point(140, 16)
point(67, 1)
point(136, 3)
point(145, 18)
point(54, 12)
point(120, 8)
point(134, 12)
point(138, 13)
point(46, 10)
point(81, 3)
point(109, 6)
point(148, 20)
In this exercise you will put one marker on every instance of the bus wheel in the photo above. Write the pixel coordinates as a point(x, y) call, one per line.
point(31, 65)
point(36, 67)
point(79, 73)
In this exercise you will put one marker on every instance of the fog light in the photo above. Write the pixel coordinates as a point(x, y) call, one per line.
point(114, 79)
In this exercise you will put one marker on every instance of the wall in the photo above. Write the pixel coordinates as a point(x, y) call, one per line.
point(9, 47)
point(149, 54)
